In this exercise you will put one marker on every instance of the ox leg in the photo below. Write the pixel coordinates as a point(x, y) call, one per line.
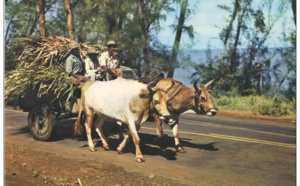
point(160, 133)
point(99, 130)
point(178, 146)
point(124, 142)
point(159, 128)
point(136, 139)
point(88, 126)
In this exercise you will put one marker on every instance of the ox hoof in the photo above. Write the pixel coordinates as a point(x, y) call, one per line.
point(93, 150)
point(180, 149)
point(120, 151)
point(106, 148)
point(140, 160)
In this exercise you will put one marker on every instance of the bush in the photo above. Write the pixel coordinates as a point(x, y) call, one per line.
point(248, 92)
point(223, 101)
point(274, 108)
point(257, 104)
point(265, 109)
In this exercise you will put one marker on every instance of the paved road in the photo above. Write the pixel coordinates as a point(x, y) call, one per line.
point(220, 150)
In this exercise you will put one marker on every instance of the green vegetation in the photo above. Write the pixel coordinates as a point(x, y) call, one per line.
point(257, 104)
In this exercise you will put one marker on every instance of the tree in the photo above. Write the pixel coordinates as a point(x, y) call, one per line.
point(180, 28)
point(226, 32)
point(231, 40)
point(242, 65)
point(256, 37)
point(70, 23)
point(22, 21)
point(148, 14)
point(42, 17)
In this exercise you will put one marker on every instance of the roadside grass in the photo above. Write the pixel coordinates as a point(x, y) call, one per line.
point(257, 105)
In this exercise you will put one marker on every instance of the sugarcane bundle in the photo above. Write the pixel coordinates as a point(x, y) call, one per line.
point(45, 51)
point(41, 68)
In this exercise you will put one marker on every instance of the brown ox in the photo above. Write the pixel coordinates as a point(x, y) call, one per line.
point(122, 101)
point(181, 99)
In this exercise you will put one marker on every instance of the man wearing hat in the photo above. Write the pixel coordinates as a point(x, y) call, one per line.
point(74, 66)
point(109, 61)
point(75, 70)
point(91, 63)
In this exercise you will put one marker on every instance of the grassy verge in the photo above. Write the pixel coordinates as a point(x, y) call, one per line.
point(259, 107)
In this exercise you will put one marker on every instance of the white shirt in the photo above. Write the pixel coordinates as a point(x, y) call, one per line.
point(107, 60)
point(90, 70)
point(89, 66)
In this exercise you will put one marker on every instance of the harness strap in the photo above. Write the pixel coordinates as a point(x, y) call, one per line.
point(196, 99)
point(175, 92)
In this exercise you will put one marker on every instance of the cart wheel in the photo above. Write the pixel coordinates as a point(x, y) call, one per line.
point(41, 123)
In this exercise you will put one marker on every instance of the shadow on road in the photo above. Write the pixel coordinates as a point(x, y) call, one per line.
point(21, 131)
point(150, 144)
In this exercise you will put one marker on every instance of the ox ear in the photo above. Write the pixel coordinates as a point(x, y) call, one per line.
point(144, 94)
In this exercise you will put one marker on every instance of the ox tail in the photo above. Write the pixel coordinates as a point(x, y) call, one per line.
point(78, 129)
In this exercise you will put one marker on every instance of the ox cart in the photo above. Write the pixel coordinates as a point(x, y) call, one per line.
point(41, 84)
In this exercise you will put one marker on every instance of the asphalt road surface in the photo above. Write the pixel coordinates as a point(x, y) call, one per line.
point(220, 150)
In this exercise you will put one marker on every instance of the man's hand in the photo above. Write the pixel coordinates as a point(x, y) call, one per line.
point(102, 69)
point(74, 75)
point(112, 72)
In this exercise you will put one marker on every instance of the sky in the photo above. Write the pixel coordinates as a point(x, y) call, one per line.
point(208, 20)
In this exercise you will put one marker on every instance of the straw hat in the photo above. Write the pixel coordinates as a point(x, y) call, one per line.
point(92, 50)
point(111, 42)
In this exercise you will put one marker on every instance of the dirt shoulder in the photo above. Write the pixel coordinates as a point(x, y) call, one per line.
point(28, 167)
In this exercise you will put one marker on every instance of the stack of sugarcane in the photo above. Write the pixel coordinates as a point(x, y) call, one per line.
point(41, 68)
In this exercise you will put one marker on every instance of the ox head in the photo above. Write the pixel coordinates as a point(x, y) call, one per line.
point(203, 100)
point(159, 100)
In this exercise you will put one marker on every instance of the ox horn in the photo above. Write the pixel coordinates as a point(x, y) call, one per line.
point(209, 83)
point(157, 78)
point(195, 84)
point(152, 84)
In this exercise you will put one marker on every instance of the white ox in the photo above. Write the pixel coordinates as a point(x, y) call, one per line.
point(122, 101)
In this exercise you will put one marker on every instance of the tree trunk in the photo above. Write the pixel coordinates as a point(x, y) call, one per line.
point(281, 82)
point(233, 57)
point(70, 22)
point(42, 17)
point(261, 82)
point(294, 7)
point(143, 36)
point(229, 28)
point(180, 25)
point(7, 30)
point(33, 26)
